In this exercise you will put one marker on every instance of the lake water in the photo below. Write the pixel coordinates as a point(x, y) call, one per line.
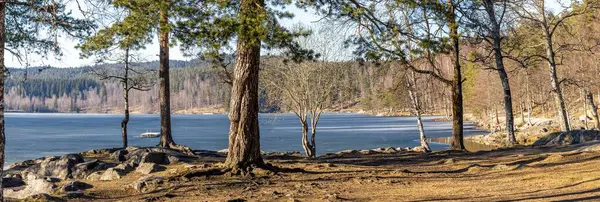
point(31, 136)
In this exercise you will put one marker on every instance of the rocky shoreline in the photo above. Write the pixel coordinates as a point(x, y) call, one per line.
point(64, 177)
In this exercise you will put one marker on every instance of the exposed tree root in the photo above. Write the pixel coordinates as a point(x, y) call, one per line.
point(180, 148)
point(250, 171)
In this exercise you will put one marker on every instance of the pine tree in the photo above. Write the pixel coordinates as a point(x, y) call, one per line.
point(253, 24)
point(22, 23)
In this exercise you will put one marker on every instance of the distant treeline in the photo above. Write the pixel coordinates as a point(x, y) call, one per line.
point(195, 85)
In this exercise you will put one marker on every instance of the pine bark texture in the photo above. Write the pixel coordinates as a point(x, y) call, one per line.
point(244, 137)
point(2, 78)
point(457, 96)
point(166, 139)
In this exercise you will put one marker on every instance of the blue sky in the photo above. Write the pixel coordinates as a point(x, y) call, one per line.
point(71, 58)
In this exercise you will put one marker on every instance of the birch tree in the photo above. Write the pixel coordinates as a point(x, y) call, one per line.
point(304, 89)
point(547, 22)
point(380, 35)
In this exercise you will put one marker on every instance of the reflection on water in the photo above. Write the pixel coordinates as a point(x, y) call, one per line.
point(469, 145)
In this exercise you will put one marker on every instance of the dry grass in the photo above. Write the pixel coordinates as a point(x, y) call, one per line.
point(536, 174)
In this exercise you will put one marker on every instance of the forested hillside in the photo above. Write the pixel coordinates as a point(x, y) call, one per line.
point(196, 88)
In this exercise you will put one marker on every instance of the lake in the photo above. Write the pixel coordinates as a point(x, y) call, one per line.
point(30, 135)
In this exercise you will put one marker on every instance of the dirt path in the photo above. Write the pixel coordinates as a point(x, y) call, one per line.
point(536, 174)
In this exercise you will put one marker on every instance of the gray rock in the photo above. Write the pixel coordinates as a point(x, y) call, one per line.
point(60, 167)
point(147, 183)
point(33, 186)
point(75, 186)
point(146, 156)
point(125, 167)
point(154, 157)
point(119, 155)
point(12, 182)
point(133, 161)
point(82, 170)
point(147, 168)
point(95, 176)
point(99, 151)
point(112, 174)
point(173, 159)
point(23, 164)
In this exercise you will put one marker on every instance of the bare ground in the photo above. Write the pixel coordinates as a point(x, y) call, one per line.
point(523, 174)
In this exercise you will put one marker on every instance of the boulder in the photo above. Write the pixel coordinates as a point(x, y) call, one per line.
point(139, 156)
point(82, 170)
point(119, 155)
point(154, 157)
point(147, 183)
point(24, 164)
point(75, 186)
point(125, 167)
point(112, 174)
point(147, 168)
point(95, 176)
point(572, 137)
point(60, 167)
point(12, 182)
point(33, 186)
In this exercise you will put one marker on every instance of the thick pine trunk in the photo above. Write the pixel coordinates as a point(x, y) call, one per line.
point(2, 77)
point(244, 137)
point(166, 140)
point(594, 108)
point(556, 88)
point(457, 97)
